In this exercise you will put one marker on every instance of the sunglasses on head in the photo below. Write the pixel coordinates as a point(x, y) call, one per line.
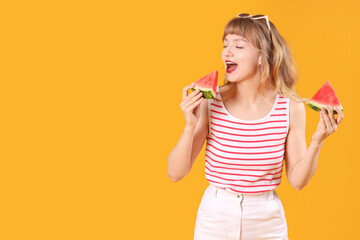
point(246, 15)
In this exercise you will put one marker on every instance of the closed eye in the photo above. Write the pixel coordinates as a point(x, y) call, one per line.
point(236, 47)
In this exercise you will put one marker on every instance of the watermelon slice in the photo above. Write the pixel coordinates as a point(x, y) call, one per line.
point(207, 85)
point(325, 96)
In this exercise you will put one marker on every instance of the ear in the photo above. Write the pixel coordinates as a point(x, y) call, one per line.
point(260, 57)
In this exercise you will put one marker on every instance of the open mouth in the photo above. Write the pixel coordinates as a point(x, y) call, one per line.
point(230, 67)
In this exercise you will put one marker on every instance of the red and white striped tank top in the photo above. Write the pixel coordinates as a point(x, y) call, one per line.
point(246, 156)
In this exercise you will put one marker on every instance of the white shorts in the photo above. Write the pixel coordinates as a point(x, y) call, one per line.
point(223, 215)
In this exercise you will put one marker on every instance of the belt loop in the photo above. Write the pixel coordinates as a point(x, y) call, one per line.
point(216, 192)
point(273, 194)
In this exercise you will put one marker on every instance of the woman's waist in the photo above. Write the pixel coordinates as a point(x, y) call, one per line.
point(250, 196)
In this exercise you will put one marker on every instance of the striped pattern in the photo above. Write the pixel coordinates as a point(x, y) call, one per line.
point(246, 156)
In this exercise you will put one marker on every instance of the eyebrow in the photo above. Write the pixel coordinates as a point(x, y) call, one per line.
point(237, 39)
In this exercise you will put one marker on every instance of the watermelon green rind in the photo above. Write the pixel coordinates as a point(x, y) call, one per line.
point(207, 92)
point(317, 107)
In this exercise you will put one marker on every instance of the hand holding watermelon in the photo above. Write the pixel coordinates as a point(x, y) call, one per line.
point(326, 102)
point(327, 124)
point(203, 88)
point(190, 105)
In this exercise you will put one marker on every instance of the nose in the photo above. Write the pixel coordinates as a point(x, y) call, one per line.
point(228, 52)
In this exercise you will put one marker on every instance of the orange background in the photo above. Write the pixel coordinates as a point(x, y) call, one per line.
point(90, 94)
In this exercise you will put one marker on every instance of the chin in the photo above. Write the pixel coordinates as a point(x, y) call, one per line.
point(236, 80)
point(232, 77)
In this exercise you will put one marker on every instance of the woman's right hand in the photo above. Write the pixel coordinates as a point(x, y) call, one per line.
point(190, 105)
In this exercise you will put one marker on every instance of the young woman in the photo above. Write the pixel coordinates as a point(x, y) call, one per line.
point(255, 124)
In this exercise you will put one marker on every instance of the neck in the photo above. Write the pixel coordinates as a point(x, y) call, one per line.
point(247, 92)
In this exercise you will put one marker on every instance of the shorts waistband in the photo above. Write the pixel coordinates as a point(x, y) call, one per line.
point(248, 196)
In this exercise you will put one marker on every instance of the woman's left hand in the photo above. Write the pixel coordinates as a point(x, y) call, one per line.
point(327, 124)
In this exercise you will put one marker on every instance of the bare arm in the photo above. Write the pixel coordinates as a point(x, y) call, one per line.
point(301, 163)
point(182, 157)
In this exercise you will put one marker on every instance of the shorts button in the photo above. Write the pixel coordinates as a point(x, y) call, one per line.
point(238, 196)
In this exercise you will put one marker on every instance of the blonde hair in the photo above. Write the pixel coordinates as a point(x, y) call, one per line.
point(277, 65)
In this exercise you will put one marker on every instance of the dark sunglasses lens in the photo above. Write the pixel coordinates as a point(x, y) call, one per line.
point(255, 16)
point(243, 14)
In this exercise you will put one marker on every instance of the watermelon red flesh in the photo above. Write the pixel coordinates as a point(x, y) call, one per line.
point(207, 85)
point(325, 96)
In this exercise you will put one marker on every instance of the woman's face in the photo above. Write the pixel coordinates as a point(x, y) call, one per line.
point(240, 51)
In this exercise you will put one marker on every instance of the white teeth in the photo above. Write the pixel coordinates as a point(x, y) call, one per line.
point(230, 63)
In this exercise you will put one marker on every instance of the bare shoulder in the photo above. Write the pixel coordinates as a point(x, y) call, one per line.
point(297, 113)
point(296, 106)
point(223, 87)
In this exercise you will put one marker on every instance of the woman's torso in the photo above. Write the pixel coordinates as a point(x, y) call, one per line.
point(246, 156)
